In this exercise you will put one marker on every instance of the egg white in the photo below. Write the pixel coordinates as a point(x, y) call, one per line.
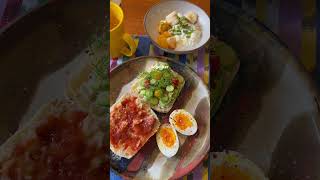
point(190, 130)
point(167, 151)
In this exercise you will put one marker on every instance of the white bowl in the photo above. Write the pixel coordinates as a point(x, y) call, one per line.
point(159, 11)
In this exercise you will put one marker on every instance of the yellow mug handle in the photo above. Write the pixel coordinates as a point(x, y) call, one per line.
point(131, 43)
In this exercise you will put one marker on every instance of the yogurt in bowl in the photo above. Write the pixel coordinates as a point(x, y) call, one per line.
point(177, 27)
point(179, 32)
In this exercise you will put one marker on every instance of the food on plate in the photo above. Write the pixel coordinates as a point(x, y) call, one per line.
point(183, 122)
point(179, 32)
point(160, 87)
point(89, 87)
point(167, 140)
point(60, 142)
point(132, 123)
point(232, 166)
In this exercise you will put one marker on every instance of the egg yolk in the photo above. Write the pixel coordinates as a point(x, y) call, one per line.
point(229, 173)
point(168, 136)
point(182, 121)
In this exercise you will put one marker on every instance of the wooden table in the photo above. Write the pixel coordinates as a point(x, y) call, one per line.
point(135, 10)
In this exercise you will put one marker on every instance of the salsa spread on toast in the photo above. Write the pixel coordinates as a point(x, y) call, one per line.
point(132, 123)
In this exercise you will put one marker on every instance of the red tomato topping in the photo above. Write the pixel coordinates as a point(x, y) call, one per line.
point(175, 82)
point(130, 124)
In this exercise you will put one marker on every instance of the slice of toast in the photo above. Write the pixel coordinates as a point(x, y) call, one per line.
point(129, 152)
point(158, 108)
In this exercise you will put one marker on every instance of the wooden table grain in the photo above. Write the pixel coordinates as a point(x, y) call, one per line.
point(135, 10)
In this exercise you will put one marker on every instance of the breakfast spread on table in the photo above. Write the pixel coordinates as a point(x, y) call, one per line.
point(179, 32)
point(144, 145)
point(133, 120)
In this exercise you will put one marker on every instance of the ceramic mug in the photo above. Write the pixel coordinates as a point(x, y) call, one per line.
point(121, 43)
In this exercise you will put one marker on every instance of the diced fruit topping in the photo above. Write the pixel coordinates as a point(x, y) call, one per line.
point(172, 43)
point(162, 41)
point(172, 18)
point(192, 17)
point(164, 26)
point(167, 34)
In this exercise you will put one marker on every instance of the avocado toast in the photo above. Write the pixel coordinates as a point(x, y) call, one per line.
point(160, 87)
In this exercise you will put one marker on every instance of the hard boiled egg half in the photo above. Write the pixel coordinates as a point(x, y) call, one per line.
point(167, 140)
point(183, 122)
